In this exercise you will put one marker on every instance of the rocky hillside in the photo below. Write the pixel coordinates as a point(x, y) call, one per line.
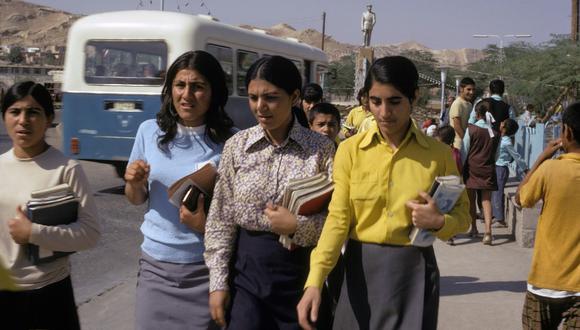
point(30, 25)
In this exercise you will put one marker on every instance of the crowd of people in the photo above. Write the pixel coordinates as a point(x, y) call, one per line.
point(351, 264)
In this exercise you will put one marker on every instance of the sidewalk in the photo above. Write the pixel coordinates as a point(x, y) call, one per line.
point(482, 287)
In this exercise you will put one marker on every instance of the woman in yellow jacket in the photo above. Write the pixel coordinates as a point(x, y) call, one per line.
point(380, 181)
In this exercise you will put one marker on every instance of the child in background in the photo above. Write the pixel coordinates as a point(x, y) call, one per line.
point(553, 290)
point(324, 118)
point(480, 145)
point(507, 154)
point(446, 134)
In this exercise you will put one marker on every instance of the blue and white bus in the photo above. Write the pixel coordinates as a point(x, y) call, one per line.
point(115, 65)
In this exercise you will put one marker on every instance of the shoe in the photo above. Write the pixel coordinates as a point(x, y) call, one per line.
point(499, 224)
point(486, 239)
point(473, 233)
point(450, 242)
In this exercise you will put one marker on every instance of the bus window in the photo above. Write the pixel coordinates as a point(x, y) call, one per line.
point(307, 65)
point(321, 75)
point(224, 55)
point(125, 62)
point(300, 69)
point(245, 61)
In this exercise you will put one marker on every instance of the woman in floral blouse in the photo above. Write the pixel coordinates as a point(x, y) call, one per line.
point(245, 219)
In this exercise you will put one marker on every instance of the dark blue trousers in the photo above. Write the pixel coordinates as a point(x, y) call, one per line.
point(497, 197)
point(267, 283)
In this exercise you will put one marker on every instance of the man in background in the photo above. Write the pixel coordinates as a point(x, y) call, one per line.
point(461, 109)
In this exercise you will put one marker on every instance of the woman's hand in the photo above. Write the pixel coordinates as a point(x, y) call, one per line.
point(308, 308)
point(136, 177)
point(283, 222)
point(196, 220)
point(425, 214)
point(20, 227)
point(137, 173)
point(218, 300)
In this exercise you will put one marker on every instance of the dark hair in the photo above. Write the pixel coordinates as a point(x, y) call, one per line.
point(312, 92)
point(511, 126)
point(218, 124)
point(571, 118)
point(482, 107)
point(446, 134)
point(496, 86)
point(323, 108)
point(466, 81)
point(398, 71)
point(359, 95)
point(23, 89)
point(277, 70)
point(300, 116)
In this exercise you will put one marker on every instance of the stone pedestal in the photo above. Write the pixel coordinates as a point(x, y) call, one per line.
point(364, 59)
point(522, 222)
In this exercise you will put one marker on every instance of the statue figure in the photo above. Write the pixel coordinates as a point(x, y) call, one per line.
point(367, 23)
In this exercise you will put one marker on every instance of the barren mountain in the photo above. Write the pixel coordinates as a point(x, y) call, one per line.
point(29, 25)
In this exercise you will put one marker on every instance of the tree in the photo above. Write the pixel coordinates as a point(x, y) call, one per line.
point(16, 55)
point(533, 74)
point(340, 77)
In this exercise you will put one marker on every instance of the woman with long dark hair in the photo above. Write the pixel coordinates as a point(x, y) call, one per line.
point(388, 283)
point(44, 299)
point(246, 217)
point(190, 130)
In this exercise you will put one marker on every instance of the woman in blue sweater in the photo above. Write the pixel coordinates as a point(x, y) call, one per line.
point(190, 130)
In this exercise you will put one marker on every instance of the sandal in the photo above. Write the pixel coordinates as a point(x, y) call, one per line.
point(486, 239)
point(499, 224)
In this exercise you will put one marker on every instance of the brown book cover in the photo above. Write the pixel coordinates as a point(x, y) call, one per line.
point(203, 180)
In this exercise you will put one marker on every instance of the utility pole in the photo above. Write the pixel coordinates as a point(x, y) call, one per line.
point(575, 20)
point(323, 29)
point(162, 4)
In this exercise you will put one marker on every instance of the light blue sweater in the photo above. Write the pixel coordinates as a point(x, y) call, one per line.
point(165, 238)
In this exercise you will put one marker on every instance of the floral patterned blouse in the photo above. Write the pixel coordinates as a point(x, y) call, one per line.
point(253, 172)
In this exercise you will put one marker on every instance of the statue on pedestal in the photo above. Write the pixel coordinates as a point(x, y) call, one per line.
point(367, 23)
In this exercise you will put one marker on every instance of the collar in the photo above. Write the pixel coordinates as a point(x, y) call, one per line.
point(497, 97)
point(257, 134)
point(189, 130)
point(413, 131)
point(570, 155)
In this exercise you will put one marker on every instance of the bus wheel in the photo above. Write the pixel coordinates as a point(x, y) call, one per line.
point(120, 169)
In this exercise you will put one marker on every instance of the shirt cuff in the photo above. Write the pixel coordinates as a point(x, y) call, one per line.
point(447, 231)
point(315, 279)
point(34, 233)
point(218, 279)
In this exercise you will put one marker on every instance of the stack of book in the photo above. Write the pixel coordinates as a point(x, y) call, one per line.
point(51, 207)
point(445, 191)
point(306, 196)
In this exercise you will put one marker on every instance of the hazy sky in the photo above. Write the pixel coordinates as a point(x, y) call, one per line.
point(437, 24)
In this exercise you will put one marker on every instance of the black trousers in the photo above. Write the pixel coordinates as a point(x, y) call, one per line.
point(267, 283)
point(50, 307)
